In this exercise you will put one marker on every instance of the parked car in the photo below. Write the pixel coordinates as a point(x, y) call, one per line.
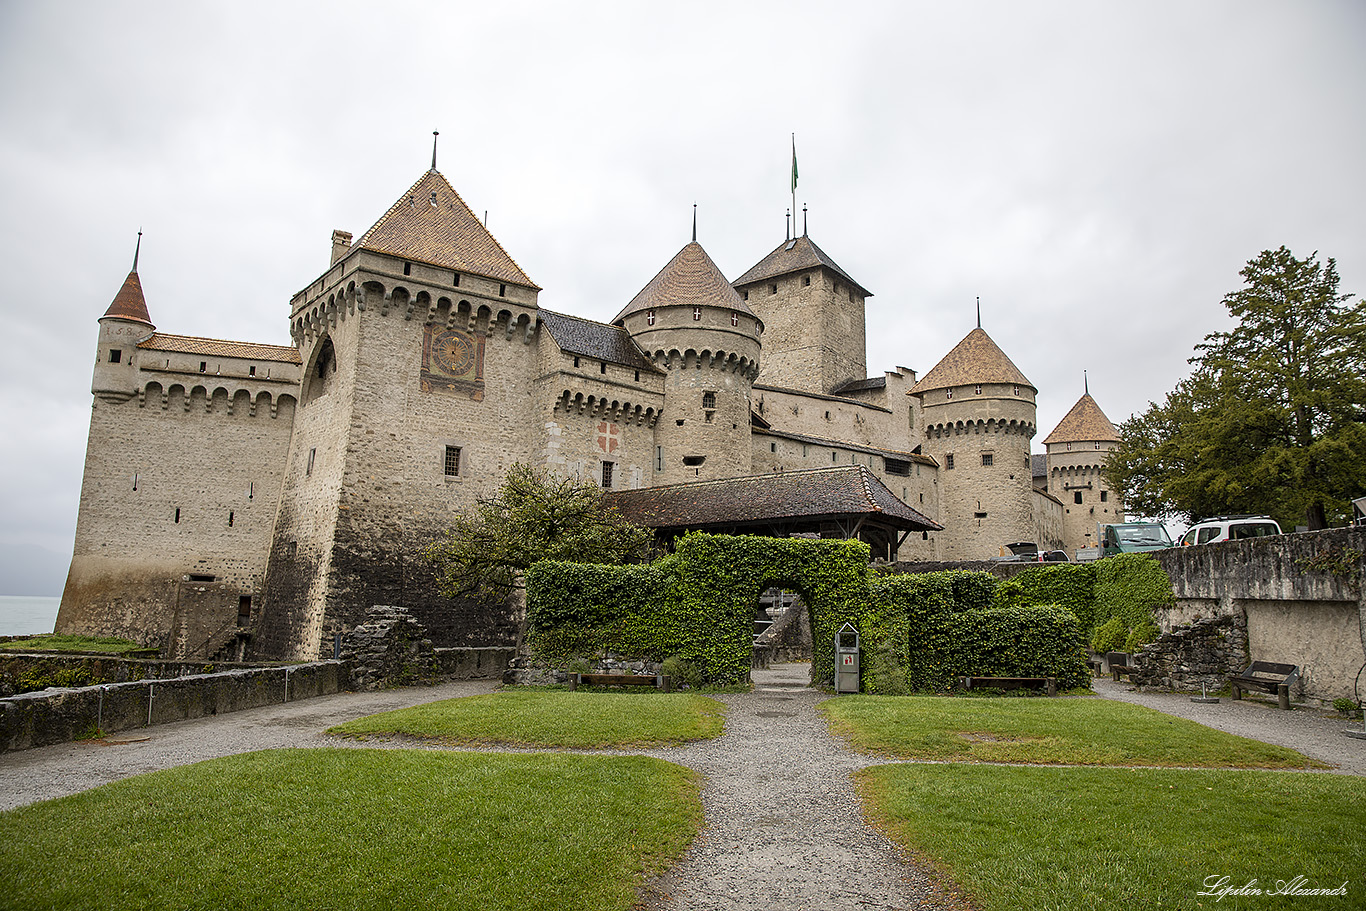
point(1133, 537)
point(1054, 556)
point(1359, 511)
point(1230, 528)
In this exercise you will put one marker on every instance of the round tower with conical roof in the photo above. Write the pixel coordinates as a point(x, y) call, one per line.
point(979, 417)
point(1076, 452)
point(123, 325)
point(695, 327)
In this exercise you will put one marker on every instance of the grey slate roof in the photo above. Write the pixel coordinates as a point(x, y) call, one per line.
point(846, 490)
point(612, 344)
point(873, 382)
point(795, 255)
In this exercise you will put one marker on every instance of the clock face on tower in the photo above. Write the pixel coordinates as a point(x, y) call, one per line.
point(453, 361)
point(452, 353)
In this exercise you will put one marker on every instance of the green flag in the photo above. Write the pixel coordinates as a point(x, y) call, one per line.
point(794, 163)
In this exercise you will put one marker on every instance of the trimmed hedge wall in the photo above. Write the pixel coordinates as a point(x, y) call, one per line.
point(918, 631)
point(954, 632)
point(697, 603)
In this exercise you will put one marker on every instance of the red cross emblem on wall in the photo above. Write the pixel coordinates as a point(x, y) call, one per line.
point(609, 436)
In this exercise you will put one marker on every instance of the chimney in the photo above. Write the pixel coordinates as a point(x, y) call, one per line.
point(341, 244)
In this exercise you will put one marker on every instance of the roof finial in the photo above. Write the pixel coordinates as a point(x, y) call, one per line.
point(787, 225)
point(1085, 383)
point(694, 222)
point(435, 134)
point(803, 219)
point(137, 250)
point(979, 311)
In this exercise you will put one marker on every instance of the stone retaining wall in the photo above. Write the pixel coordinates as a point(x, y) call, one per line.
point(60, 715)
point(18, 667)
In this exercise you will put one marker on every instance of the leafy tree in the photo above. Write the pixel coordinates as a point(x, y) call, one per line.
point(1273, 419)
point(532, 517)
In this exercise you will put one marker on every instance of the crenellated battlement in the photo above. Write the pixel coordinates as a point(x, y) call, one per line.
point(434, 307)
point(692, 359)
point(220, 399)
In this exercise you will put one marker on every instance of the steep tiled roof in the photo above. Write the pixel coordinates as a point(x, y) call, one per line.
point(690, 279)
point(795, 256)
point(129, 303)
point(813, 494)
point(188, 344)
point(976, 359)
point(1084, 422)
point(1038, 465)
point(599, 340)
point(431, 223)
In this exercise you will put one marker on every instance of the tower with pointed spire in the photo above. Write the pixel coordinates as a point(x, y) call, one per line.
point(417, 374)
point(815, 338)
point(1076, 451)
point(699, 331)
point(182, 475)
point(979, 417)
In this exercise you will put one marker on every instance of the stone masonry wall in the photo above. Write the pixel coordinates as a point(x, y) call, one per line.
point(1207, 652)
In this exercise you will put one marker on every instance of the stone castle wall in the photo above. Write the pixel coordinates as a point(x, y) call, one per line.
point(182, 476)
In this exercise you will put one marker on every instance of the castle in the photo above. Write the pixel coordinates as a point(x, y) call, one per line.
point(261, 498)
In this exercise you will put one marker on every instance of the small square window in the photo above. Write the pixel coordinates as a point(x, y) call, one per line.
point(987, 459)
point(709, 400)
point(1076, 496)
point(772, 289)
point(407, 268)
point(502, 290)
point(607, 474)
point(806, 281)
point(772, 447)
point(115, 355)
point(948, 462)
point(251, 371)
point(602, 368)
point(203, 366)
point(1104, 495)
point(452, 466)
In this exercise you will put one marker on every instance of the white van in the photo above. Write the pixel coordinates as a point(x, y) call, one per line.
point(1230, 528)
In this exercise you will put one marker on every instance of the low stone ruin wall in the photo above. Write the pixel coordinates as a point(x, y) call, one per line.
point(1207, 652)
point(390, 648)
point(26, 671)
point(61, 715)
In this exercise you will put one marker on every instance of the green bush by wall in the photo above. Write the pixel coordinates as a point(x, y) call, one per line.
point(1071, 585)
point(1128, 587)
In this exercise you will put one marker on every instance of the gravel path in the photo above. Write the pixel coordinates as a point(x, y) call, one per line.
point(783, 826)
point(1312, 732)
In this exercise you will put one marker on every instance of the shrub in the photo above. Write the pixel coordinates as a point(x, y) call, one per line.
point(1144, 631)
point(684, 673)
point(1109, 636)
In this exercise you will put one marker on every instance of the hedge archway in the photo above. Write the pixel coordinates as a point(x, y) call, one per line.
point(698, 602)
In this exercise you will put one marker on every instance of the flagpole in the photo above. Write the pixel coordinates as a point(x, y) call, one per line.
point(794, 177)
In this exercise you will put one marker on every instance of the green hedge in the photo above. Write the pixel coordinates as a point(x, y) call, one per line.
point(1071, 585)
point(918, 631)
point(952, 632)
point(698, 603)
point(1128, 587)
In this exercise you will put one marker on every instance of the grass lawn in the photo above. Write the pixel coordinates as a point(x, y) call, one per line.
point(356, 829)
point(1039, 839)
point(553, 718)
point(54, 642)
point(1043, 731)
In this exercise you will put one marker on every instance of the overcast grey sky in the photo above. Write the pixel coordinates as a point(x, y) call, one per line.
point(1097, 172)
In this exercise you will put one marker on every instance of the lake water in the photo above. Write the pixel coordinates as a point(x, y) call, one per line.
point(21, 616)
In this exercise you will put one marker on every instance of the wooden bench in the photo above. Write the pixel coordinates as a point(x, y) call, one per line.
point(1047, 684)
point(1269, 676)
point(1096, 662)
point(659, 681)
point(1119, 665)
